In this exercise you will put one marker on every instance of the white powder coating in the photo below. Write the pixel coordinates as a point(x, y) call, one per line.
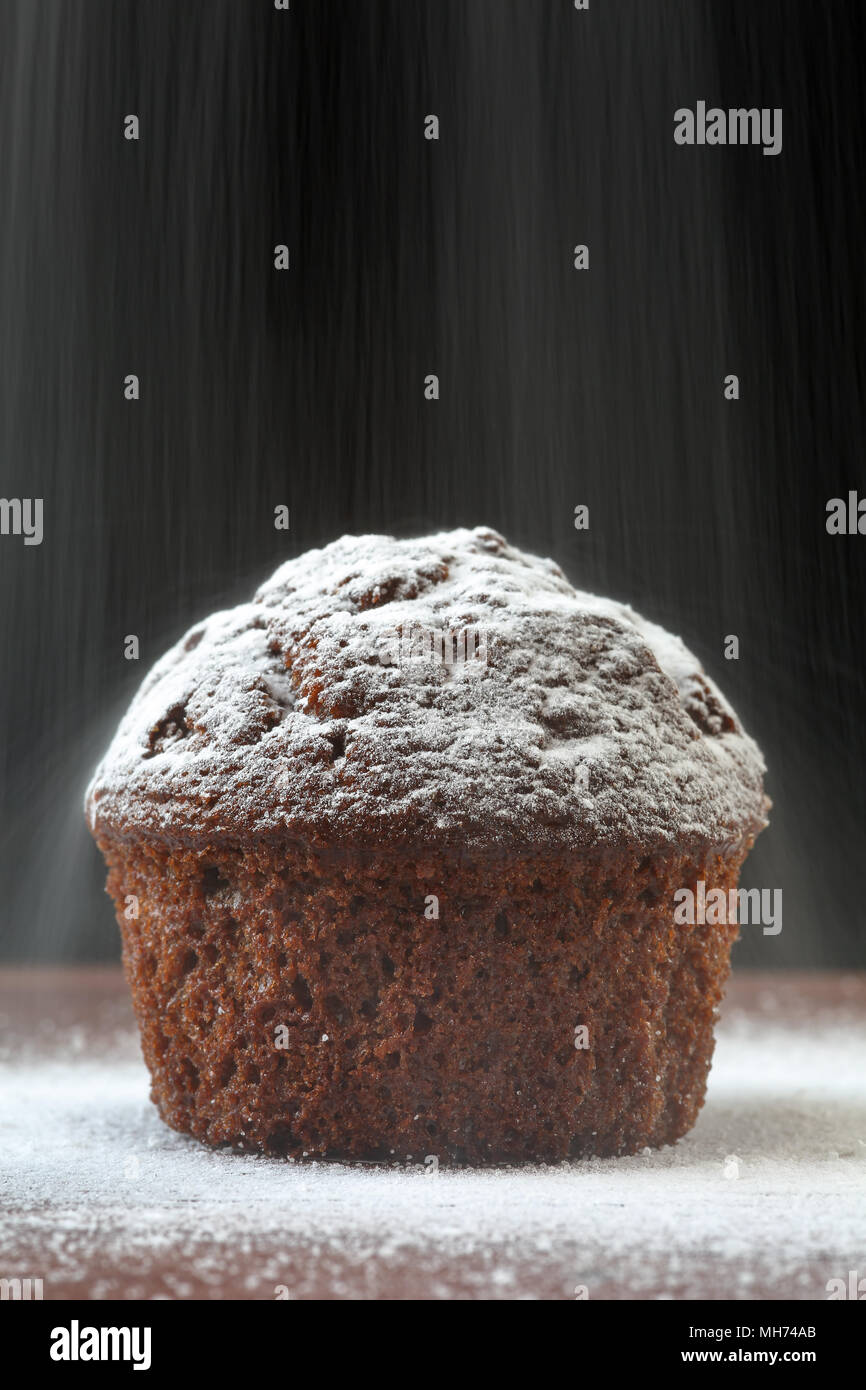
point(577, 722)
point(101, 1200)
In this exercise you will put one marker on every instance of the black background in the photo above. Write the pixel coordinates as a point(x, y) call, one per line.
point(408, 257)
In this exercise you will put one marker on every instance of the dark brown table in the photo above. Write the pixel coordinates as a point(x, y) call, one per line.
point(766, 1198)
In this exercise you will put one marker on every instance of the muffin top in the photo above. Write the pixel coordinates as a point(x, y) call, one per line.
point(450, 689)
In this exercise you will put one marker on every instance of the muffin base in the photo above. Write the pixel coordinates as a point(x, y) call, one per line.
point(306, 1002)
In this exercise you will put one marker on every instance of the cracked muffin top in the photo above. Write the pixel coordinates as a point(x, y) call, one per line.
point(450, 689)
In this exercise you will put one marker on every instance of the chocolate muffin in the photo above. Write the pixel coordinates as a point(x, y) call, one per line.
point(394, 850)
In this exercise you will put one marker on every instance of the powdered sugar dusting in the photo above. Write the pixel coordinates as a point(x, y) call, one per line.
point(583, 723)
point(101, 1199)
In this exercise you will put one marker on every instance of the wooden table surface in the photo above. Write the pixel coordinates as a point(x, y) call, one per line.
point(766, 1198)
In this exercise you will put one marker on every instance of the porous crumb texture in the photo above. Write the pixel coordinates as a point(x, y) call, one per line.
point(407, 1035)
